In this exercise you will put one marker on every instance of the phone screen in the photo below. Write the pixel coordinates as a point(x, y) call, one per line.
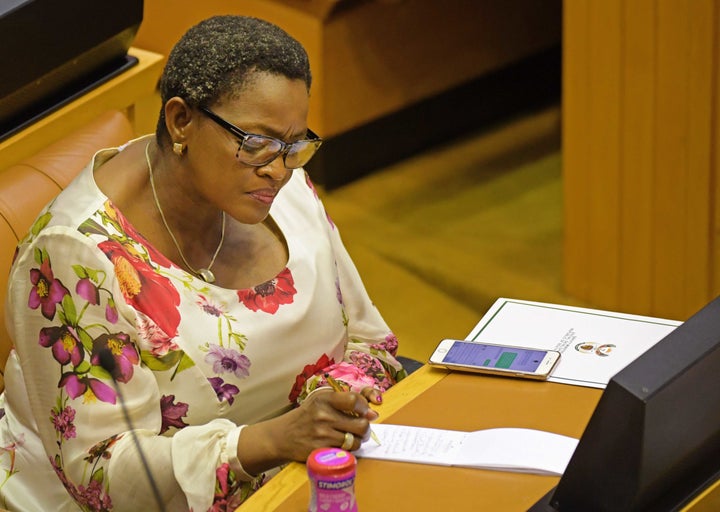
point(491, 356)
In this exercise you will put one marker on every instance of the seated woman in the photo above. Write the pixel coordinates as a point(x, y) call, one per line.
point(175, 309)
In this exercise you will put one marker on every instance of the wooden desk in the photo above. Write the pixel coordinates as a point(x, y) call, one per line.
point(440, 399)
point(129, 91)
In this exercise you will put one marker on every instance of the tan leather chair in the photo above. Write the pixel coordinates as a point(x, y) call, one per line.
point(25, 188)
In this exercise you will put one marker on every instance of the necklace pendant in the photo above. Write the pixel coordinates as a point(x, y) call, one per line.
point(206, 275)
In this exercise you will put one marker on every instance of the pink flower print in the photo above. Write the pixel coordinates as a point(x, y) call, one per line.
point(338, 291)
point(172, 413)
point(225, 360)
point(111, 312)
point(362, 360)
point(57, 466)
point(93, 496)
point(351, 375)
point(47, 292)
point(63, 422)
point(222, 390)
point(371, 367)
point(210, 308)
point(88, 291)
point(161, 344)
point(90, 497)
point(269, 296)
point(311, 185)
point(222, 488)
point(92, 389)
point(227, 487)
point(122, 350)
point(11, 449)
point(390, 344)
point(66, 348)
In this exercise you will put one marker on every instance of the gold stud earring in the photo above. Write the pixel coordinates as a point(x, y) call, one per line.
point(178, 148)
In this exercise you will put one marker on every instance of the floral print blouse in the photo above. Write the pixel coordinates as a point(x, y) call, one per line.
point(131, 379)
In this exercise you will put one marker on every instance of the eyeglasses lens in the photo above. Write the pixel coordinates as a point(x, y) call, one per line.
point(300, 153)
point(259, 151)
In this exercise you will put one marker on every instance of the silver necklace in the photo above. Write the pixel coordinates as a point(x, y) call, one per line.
point(205, 273)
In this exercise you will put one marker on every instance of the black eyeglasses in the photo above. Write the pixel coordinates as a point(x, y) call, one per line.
point(259, 150)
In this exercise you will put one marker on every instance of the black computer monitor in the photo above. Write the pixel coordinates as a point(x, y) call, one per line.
point(51, 51)
point(653, 441)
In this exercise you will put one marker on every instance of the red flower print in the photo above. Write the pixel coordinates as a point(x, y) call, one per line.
point(172, 413)
point(269, 296)
point(309, 371)
point(47, 292)
point(126, 227)
point(143, 288)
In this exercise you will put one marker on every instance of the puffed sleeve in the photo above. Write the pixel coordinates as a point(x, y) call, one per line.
point(369, 359)
point(96, 406)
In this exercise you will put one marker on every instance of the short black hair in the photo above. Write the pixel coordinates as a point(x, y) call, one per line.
point(216, 57)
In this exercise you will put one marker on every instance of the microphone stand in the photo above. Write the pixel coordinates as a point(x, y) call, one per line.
point(107, 361)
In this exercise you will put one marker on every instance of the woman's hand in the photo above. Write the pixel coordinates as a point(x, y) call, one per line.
point(372, 395)
point(323, 419)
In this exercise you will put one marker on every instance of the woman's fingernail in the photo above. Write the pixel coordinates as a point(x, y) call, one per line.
point(379, 399)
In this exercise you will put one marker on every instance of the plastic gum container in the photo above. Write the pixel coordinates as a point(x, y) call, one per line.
point(332, 480)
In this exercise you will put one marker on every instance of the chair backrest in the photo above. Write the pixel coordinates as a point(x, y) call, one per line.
point(25, 188)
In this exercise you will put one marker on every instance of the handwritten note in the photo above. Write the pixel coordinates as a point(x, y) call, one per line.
point(416, 444)
point(507, 449)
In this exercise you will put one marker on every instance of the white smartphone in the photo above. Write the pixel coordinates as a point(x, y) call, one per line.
point(494, 359)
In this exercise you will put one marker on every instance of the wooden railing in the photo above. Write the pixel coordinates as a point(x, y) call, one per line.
point(641, 154)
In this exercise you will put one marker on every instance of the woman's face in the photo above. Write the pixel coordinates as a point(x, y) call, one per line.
point(270, 105)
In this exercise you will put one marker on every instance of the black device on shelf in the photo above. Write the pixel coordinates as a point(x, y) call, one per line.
point(52, 51)
point(653, 441)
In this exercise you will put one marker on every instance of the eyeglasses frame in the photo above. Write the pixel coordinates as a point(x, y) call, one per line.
point(243, 136)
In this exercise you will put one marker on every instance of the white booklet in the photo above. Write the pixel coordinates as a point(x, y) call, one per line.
point(507, 449)
point(594, 344)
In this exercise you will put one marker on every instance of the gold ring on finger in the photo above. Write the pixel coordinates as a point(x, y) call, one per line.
point(348, 441)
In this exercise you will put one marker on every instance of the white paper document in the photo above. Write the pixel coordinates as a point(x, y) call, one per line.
point(507, 449)
point(594, 344)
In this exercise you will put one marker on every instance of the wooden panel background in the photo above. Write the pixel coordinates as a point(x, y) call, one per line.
point(641, 130)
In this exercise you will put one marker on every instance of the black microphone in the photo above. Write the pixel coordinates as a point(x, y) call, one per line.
point(107, 361)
